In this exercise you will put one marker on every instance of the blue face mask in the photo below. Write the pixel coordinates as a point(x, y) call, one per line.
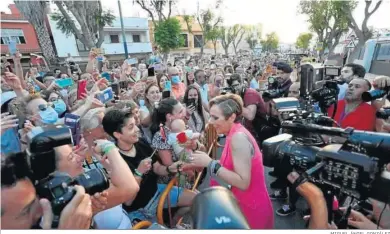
point(59, 106)
point(175, 79)
point(141, 102)
point(49, 116)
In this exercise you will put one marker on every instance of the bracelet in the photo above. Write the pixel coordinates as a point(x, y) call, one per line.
point(138, 173)
point(107, 149)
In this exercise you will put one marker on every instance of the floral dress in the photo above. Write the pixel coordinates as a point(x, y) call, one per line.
point(162, 144)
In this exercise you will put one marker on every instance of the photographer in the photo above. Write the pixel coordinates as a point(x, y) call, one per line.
point(283, 73)
point(254, 110)
point(21, 209)
point(350, 111)
point(348, 73)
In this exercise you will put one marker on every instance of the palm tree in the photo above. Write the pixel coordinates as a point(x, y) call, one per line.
point(35, 13)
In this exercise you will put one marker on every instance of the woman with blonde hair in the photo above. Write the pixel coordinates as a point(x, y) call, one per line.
point(241, 163)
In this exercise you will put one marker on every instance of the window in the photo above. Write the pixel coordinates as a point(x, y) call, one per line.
point(136, 38)
point(185, 38)
point(383, 52)
point(198, 41)
point(16, 35)
point(80, 46)
point(114, 38)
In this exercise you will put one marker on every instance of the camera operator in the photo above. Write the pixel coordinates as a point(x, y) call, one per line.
point(348, 73)
point(353, 111)
point(22, 209)
point(283, 73)
point(254, 110)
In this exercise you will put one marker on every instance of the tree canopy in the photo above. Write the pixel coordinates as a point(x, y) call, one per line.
point(271, 42)
point(167, 35)
point(303, 40)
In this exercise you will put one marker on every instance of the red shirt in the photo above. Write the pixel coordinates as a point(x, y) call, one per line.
point(252, 97)
point(362, 118)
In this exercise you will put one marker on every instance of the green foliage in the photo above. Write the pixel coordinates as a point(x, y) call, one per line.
point(253, 35)
point(62, 23)
point(303, 40)
point(271, 42)
point(167, 35)
point(327, 19)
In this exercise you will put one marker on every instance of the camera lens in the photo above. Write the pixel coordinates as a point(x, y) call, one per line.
point(373, 95)
point(94, 181)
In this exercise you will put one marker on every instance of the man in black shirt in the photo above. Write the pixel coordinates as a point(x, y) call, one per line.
point(145, 166)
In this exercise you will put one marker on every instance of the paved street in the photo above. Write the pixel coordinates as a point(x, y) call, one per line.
point(290, 222)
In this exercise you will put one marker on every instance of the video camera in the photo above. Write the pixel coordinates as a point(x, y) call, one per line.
point(355, 168)
point(372, 95)
point(54, 186)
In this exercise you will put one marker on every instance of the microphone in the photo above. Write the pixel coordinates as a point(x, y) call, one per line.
point(217, 208)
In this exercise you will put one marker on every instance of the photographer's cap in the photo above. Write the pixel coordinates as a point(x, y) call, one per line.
point(283, 67)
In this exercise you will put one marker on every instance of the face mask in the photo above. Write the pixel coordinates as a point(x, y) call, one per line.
point(175, 79)
point(59, 106)
point(49, 116)
point(141, 102)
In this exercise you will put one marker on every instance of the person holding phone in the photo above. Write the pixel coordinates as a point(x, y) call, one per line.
point(196, 115)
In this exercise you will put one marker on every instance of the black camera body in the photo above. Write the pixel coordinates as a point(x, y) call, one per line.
point(58, 187)
point(327, 95)
point(356, 168)
point(374, 94)
point(226, 90)
point(54, 186)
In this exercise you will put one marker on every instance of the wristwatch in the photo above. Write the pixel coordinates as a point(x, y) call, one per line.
point(216, 168)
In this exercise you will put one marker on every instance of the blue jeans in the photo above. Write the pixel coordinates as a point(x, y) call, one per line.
point(149, 212)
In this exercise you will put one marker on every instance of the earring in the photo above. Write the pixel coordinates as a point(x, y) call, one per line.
point(162, 133)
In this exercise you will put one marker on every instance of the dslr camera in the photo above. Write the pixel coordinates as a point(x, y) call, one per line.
point(54, 186)
point(273, 89)
point(356, 168)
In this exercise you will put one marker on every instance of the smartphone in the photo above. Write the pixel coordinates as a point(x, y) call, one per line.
point(191, 102)
point(73, 122)
point(106, 95)
point(63, 83)
point(115, 88)
point(123, 84)
point(168, 85)
point(166, 94)
point(151, 71)
point(81, 89)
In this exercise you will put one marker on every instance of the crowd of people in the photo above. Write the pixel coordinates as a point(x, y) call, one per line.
point(131, 121)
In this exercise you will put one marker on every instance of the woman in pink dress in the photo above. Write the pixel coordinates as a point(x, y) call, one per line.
point(241, 164)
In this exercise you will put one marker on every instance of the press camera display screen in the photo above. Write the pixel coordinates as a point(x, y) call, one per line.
point(332, 71)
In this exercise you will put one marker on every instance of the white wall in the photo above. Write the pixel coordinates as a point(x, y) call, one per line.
point(67, 44)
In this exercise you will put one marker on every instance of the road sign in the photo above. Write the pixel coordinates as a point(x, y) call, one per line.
point(351, 44)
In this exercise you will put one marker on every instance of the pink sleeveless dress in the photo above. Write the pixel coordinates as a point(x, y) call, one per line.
point(254, 202)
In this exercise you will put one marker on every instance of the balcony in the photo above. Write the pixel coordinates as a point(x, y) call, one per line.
point(132, 48)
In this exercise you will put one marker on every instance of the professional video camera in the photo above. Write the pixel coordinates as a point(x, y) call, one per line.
point(54, 186)
point(375, 94)
point(326, 96)
point(383, 114)
point(355, 168)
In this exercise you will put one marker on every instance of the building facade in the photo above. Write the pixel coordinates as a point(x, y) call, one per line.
point(137, 40)
point(15, 27)
point(191, 40)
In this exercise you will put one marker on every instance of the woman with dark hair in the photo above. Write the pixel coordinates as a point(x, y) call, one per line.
point(59, 102)
point(161, 79)
point(195, 112)
point(241, 163)
point(168, 110)
point(190, 78)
